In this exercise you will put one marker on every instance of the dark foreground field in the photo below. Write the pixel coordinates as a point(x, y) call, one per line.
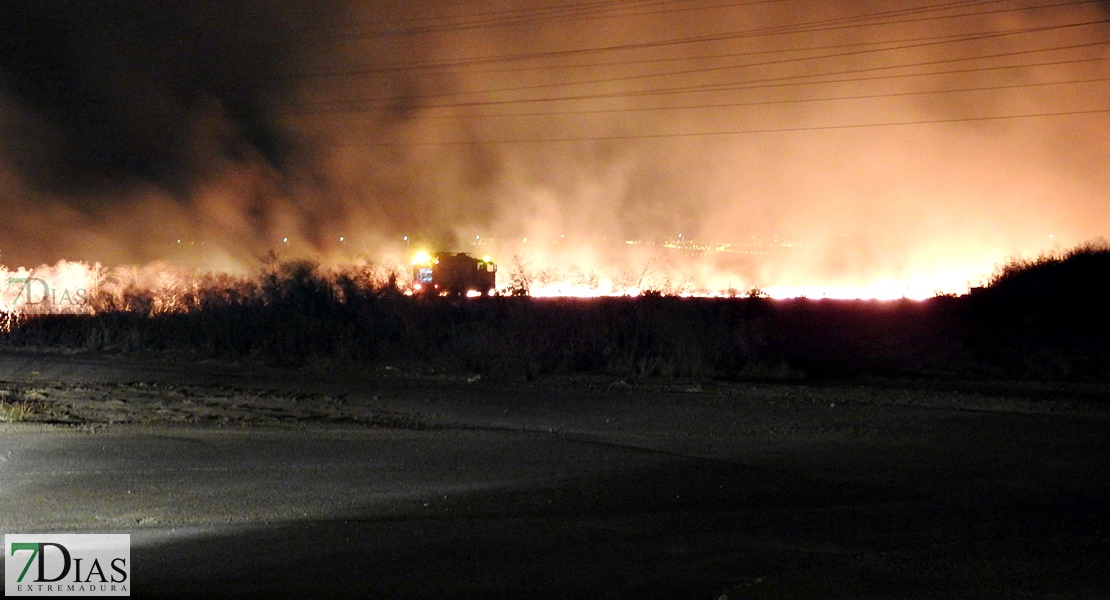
point(251, 482)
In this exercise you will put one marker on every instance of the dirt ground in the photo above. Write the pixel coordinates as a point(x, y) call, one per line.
point(101, 390)
point(565, 488)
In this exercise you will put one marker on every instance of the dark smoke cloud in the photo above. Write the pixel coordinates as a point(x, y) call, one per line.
point(123, 104)
point(115, 92)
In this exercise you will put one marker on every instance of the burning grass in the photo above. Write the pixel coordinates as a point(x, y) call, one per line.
point(1036, 320)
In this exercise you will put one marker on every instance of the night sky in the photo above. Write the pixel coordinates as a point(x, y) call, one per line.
point(898, 140)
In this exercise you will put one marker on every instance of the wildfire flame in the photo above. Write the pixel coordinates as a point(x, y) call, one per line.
point(73, 287)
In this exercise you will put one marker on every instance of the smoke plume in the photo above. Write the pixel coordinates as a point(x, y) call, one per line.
point(776, 144)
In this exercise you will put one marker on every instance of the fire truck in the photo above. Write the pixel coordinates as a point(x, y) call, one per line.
point(452, 274)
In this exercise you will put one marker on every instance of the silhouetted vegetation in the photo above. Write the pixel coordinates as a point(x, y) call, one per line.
point(1039, 319)
point(1044, 318)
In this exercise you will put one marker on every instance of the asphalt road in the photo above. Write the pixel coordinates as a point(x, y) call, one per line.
point(613, 493)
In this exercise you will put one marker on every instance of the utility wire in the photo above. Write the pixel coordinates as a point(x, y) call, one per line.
point(546, 60)
point(554, 16)
point(786, 101)
point(820, 26)
point(782, 61)
point(917, 43)
point(735, 132)
point(488, 20)
point(372, 104)
point(356, 70)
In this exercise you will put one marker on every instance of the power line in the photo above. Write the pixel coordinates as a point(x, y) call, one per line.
point(924, 42)
point(545, 18)
point(819, 26)
point(519, 17)
point(747, 85)
point(735, 132)
point(589, 111)
point(787, 78)
point(463, 18)
point(784, 61)
point(367, 70)
point(689, 72)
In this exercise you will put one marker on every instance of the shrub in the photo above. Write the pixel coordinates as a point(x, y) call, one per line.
point(1038, 319)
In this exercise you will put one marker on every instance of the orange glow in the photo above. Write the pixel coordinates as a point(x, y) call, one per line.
point(843, 152)
point(776, 268)
point(65, 287)
point(81, 288)
point(570, 290)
